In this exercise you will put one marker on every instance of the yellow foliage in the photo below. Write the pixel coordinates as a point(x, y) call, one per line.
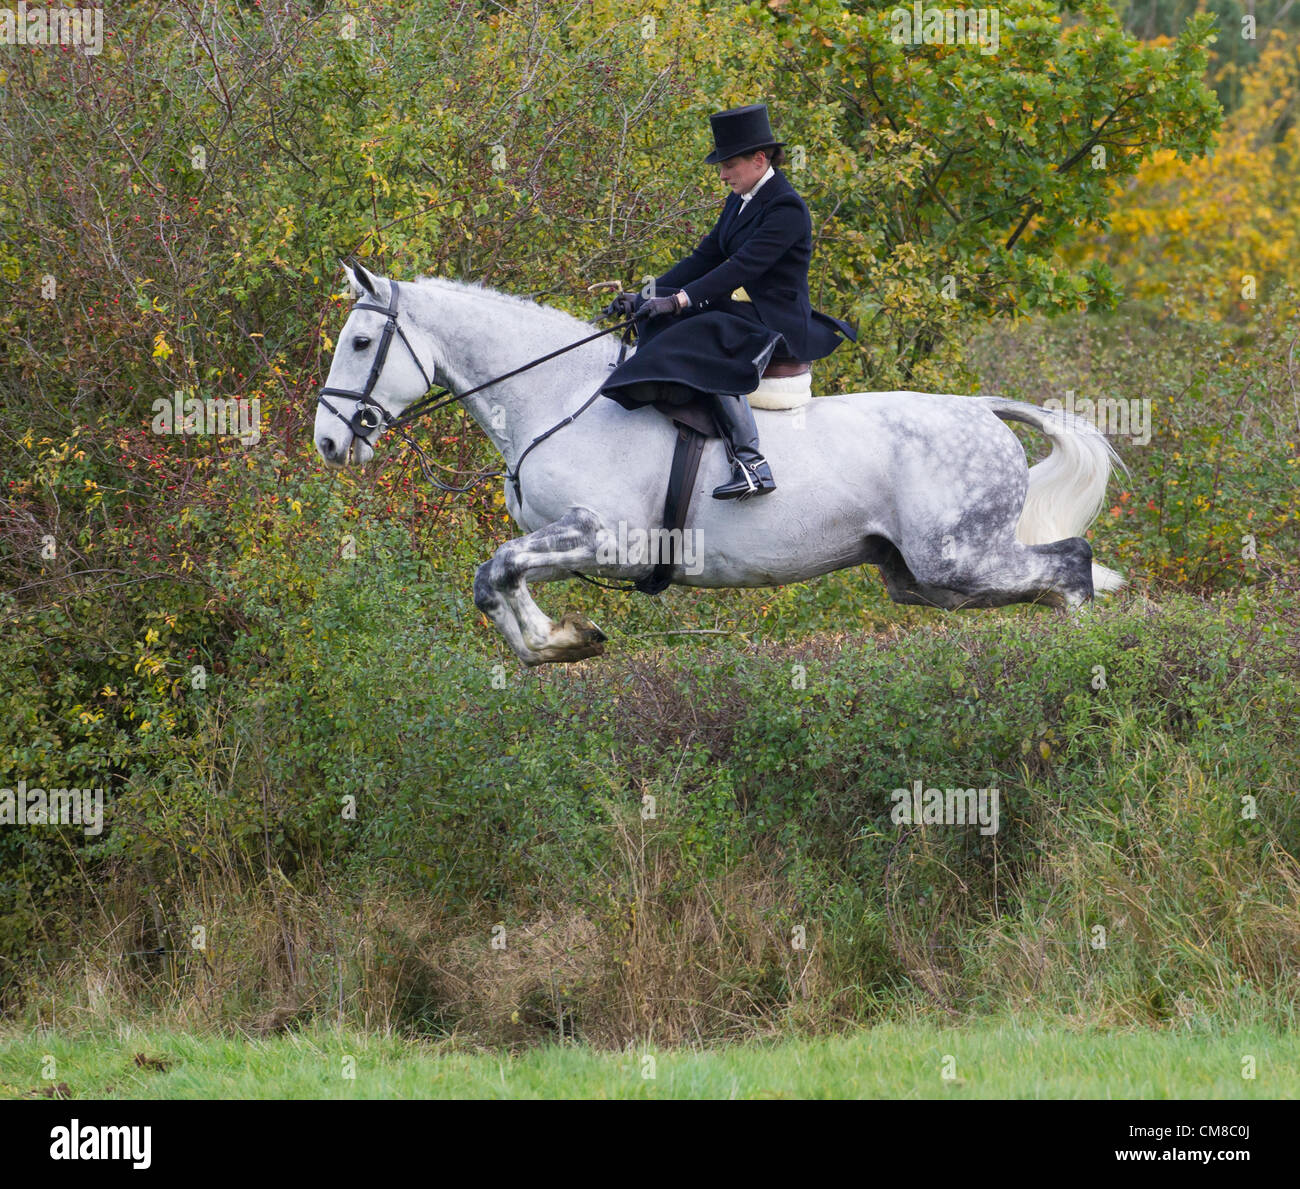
point(1197, 233)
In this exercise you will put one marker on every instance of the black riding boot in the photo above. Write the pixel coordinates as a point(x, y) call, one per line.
point(750, 474)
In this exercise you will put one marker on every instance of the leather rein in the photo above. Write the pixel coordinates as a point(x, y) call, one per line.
point(371, 417)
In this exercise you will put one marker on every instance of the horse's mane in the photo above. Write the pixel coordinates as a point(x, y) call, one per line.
point(508, 299)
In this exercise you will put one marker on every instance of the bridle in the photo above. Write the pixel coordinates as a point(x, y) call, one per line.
point(369, 416)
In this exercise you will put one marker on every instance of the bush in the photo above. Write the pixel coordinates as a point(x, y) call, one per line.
point(523, 804)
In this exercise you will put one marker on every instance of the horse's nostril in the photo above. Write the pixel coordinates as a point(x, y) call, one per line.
point(327, 447)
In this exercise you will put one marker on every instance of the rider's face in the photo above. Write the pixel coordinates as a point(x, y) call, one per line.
point(742, 173)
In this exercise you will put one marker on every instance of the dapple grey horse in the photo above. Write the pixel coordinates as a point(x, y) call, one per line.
point(934, 490)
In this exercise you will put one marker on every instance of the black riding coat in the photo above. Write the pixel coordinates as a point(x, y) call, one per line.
point(766, 248)
point(719, 344)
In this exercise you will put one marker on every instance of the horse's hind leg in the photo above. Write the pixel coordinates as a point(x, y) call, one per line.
point(994, 573)
point(986, 574)
point(501, 590)
point(1058, 573)
point(901, 584)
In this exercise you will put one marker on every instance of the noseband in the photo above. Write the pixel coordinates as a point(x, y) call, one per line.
point(369, 415)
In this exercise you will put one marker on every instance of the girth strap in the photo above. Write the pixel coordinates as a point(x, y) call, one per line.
point(677, 503)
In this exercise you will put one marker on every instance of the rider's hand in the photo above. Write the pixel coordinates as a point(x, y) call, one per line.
point(623, 306)
point(659, 307)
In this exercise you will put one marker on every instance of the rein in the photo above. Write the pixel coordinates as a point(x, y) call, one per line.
point(371, 417)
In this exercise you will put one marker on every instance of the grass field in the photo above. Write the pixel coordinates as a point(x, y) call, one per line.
point(889, 1061)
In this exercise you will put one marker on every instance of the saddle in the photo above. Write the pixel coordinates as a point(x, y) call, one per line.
point(787, 367)
point(785, 384)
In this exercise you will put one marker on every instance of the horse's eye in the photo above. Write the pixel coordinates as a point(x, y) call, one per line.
point(361, 342)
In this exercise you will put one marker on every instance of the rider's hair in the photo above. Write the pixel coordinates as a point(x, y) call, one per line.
point(775, 154)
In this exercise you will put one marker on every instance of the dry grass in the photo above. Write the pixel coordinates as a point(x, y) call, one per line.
point(665, 955)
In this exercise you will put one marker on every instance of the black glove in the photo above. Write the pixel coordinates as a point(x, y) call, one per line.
point(659, 307)
point(623, 306)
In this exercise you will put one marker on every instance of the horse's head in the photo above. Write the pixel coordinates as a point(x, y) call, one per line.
point(370, 383)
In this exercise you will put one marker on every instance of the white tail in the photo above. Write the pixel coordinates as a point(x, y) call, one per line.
point(1068, 488)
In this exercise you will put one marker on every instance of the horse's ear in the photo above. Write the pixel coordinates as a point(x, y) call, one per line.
point(354, 286)
point(359, 280)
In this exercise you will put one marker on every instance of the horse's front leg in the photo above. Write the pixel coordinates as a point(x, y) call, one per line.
point(501, 590)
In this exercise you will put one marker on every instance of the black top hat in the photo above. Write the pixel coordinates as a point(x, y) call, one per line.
point(740, 130)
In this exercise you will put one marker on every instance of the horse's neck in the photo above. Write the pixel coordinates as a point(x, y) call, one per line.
point(479, 337)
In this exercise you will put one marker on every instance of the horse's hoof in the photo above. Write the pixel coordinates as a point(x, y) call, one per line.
point(568, 654)
point(582, 629)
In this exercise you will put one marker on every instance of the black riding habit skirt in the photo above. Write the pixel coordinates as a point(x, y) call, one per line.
point(722, 350)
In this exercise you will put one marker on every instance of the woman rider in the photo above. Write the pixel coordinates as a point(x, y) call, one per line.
point(716, 320)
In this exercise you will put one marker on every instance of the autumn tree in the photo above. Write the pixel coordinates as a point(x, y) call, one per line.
point(954, 172)
point(1211, 236)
